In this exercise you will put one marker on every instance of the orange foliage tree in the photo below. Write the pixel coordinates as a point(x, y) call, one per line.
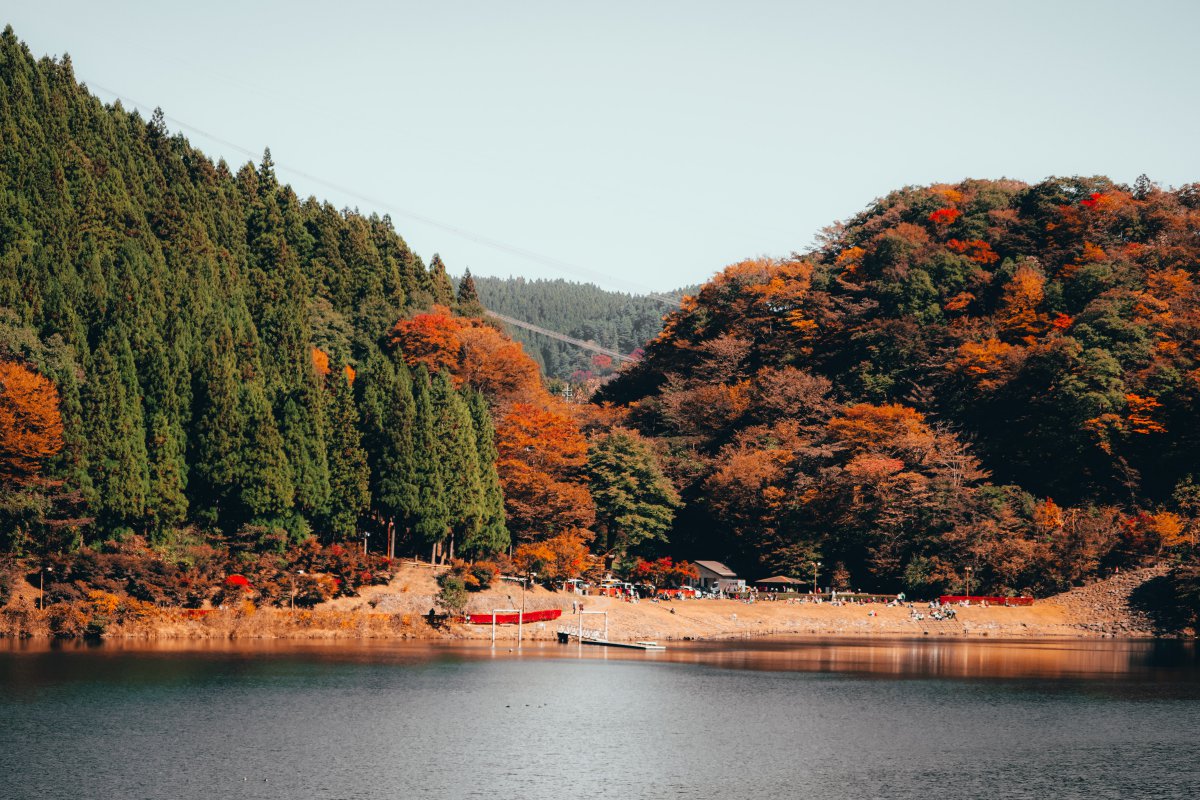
point(873, 428)
point(31, 429)
point(557, 558)
point(430, 339)
point(541, 456)
point(471, 351)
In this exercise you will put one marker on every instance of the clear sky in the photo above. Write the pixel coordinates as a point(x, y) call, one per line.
point(645, 145)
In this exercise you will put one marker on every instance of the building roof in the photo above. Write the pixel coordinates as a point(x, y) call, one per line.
point(781, 579)
point(717, 567)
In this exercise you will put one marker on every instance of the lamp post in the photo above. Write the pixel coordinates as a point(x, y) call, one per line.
point(292, 600)
point(815, 565)
point(42, 587)
point(366, 535)
point(521, 614)
point(969, 571)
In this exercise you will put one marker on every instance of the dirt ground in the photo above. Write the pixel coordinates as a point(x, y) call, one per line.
point(397, 611)
point(412, 593)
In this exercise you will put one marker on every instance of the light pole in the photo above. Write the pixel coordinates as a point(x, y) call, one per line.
point(42, 587)
point(815, 565)
point(969, 571)
point(292, 600)
point(366, 535)
point(521, 614)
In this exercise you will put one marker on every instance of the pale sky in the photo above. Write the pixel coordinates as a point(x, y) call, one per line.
point(645, 145)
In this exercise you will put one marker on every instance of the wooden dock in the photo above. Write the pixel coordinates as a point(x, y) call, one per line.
point(585, 636)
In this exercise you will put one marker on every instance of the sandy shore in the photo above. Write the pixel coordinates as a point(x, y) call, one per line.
point(397, 611)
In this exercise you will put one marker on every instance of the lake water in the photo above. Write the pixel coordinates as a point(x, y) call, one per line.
point(749, 719)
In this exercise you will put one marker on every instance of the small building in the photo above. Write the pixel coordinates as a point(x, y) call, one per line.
point(716, 577)
point(779, 583)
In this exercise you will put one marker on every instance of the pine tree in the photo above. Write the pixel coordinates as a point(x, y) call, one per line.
point(468, 297)
point(167, 504)
point(459, 461)
point(491, 536)
point(349, 477)
point(388, 414)
point(432, 512)
point(217, 434)
point(116, 435)
point(440, 285)
point(264, 480)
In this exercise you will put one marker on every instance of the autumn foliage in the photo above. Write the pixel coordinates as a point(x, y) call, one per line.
point(959, 355)
point(541, 457)
point(470, 350)
point(31, 429)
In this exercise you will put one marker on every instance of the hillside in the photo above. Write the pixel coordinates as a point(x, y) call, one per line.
point(615, 320)
point(990, 375)
point(221, 352)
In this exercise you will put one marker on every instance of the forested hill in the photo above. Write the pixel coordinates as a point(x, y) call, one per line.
point(989, 373)
point(615, 320)
point(203, 327)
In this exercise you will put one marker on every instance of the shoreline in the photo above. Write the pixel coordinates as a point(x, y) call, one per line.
point(397, 612)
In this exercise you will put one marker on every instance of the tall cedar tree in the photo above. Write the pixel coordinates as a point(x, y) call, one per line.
point(440, 285)
point(468, 297)
point(349, 476)
point(491, 536)
point(388, 420)
point(458, 459)
point(432, 512)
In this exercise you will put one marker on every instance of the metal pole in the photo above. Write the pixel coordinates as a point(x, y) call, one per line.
point(41, 589)
point(521, 613)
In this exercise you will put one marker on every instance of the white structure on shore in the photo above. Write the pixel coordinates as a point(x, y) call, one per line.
point(716, 577)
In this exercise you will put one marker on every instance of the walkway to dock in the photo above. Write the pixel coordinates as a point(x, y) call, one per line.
point(587, 636)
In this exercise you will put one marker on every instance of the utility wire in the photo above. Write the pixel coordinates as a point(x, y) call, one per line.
point(486, 241)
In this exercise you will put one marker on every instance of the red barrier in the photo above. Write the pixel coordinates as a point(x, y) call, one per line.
point(950, 599)
point(511, 619)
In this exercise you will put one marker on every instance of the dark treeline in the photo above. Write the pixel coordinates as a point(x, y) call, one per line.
point(990, 375)
point(615, 320)
point(215, 342)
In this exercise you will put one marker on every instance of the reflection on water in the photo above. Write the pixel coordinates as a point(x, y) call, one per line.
point(1129, 659)
point(833, 719)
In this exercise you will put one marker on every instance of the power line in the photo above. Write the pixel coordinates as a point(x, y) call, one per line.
point(456, 230)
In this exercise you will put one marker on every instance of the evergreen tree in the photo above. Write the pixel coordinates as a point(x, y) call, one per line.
point(433, 513)
point(217, 437)
point(264, 480)
point(388, 418)
point(440, 285)
point(468, 297)
point(349, 476)
point(456, 454)
point(635, 502)
point(167, 505)
point(491, 535)
point(116, 435)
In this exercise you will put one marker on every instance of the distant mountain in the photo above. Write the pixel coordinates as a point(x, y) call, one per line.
point(616, 320)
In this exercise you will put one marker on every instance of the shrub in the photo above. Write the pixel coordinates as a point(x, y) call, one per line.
point(484, 572)
point(453, 596)
point(67, 620)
